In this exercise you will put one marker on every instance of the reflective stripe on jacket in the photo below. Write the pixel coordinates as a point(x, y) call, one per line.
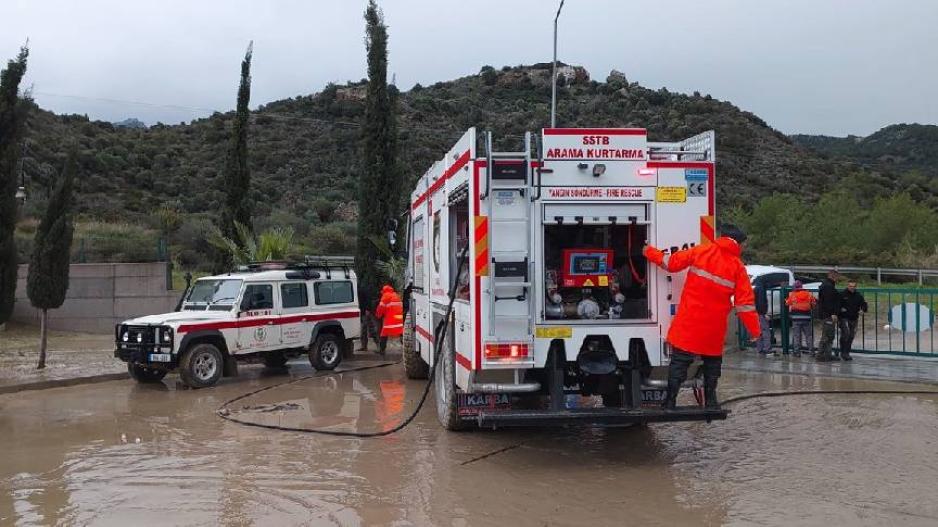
point(391, 312)
point(716, 279)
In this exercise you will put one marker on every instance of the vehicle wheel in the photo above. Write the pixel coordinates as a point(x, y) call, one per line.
point(201, 365)
point(275, 359)
point(446, 408)
point(414, 366)
point(326, 352)
point(145, 375)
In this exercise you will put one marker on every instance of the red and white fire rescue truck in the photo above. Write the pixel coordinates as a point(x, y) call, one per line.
point(557, 316)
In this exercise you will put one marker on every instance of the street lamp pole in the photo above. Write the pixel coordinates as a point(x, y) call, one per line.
point(553, 87)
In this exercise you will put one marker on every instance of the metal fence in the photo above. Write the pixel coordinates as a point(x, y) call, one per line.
point(898, 322)
point(877, 272)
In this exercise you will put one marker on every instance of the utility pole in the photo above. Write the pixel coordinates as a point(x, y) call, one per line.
point(553, 84)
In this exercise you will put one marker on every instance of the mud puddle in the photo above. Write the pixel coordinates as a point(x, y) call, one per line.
point(118, 453)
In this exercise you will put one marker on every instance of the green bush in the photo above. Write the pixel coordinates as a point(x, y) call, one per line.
point(96, 242)
point(840, 230)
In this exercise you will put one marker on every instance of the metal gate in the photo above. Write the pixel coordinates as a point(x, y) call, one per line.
point(900, 321)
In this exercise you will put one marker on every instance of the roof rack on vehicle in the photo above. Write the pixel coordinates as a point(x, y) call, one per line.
point(255, 267)
point(328, 263)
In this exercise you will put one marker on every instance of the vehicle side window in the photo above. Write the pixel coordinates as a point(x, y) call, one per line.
point(333, 293)
point(294, 295)
point(258, 296)
point(776, 280)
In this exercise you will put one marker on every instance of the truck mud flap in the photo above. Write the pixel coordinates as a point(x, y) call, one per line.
point(593, 416)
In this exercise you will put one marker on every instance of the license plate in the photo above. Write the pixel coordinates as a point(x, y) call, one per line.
point(654, 396)
point(160, 357)
point(473, 403)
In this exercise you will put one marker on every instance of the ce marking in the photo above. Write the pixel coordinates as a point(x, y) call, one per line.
point(697, 188)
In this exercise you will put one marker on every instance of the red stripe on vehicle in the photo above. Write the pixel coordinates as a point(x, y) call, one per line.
point(595, 131)
point(463, 361)
point(424, 333)
point(266, 321)
point(482, 228)
point(460, 162)
point(477, 294)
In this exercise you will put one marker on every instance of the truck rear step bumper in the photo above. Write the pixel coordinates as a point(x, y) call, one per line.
point(593, 416)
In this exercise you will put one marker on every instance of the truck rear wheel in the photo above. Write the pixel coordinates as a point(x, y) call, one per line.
point(447, 410)
point(326, 352)
point(414, 366)
point(201, 365)
point(145, 375)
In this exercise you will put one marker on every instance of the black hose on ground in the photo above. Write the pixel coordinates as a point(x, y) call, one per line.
point(761, 395)
point(439, 335)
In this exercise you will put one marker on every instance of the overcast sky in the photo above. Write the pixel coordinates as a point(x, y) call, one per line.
point(834, 67)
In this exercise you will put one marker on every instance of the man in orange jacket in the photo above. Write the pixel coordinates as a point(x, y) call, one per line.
point(800, 302)
point(391, 313)
point(716, 280)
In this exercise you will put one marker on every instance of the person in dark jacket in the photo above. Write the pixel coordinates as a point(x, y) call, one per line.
point(851, 303)
point(828, 312)
point(764, 344)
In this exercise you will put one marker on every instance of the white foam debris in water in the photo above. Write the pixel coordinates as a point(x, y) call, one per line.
point(137, 441)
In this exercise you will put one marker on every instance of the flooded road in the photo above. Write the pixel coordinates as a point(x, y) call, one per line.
point(118, 453)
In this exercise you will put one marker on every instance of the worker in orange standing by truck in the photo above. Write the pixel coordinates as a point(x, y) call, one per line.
point(391, 313)
point(716, 280)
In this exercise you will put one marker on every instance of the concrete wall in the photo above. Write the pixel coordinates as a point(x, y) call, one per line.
point(102, 295)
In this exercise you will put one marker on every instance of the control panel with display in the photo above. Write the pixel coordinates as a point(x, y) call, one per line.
point(586, 268)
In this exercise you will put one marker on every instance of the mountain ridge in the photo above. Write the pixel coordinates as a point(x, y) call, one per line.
point(303, 151)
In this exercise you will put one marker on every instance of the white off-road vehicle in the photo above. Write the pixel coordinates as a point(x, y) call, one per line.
point(267, 312)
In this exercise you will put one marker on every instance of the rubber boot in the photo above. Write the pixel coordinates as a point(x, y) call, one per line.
point(670, 402)
point(710, 393)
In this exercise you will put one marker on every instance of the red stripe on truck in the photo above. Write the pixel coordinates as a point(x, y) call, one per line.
point(477, 294)
point(424, 333)
point(464, 362)
point(460, 162)
point(266, 321)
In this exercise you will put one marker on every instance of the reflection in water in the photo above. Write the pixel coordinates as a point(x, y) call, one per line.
point(803, 460)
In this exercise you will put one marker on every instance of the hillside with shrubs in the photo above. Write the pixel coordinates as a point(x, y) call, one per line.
point(146, 193)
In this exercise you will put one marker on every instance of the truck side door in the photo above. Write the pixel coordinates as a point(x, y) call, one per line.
point(295, 330)
point(258, 318)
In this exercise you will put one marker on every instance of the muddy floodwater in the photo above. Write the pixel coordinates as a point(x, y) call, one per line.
point(118, 453)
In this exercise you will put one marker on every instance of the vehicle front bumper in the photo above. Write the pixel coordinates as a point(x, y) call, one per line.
point(143, 355)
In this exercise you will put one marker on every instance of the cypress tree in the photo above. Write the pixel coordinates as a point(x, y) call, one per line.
point(47, 281)
point(379, 183)
point(12, 116)
point(237, 176)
